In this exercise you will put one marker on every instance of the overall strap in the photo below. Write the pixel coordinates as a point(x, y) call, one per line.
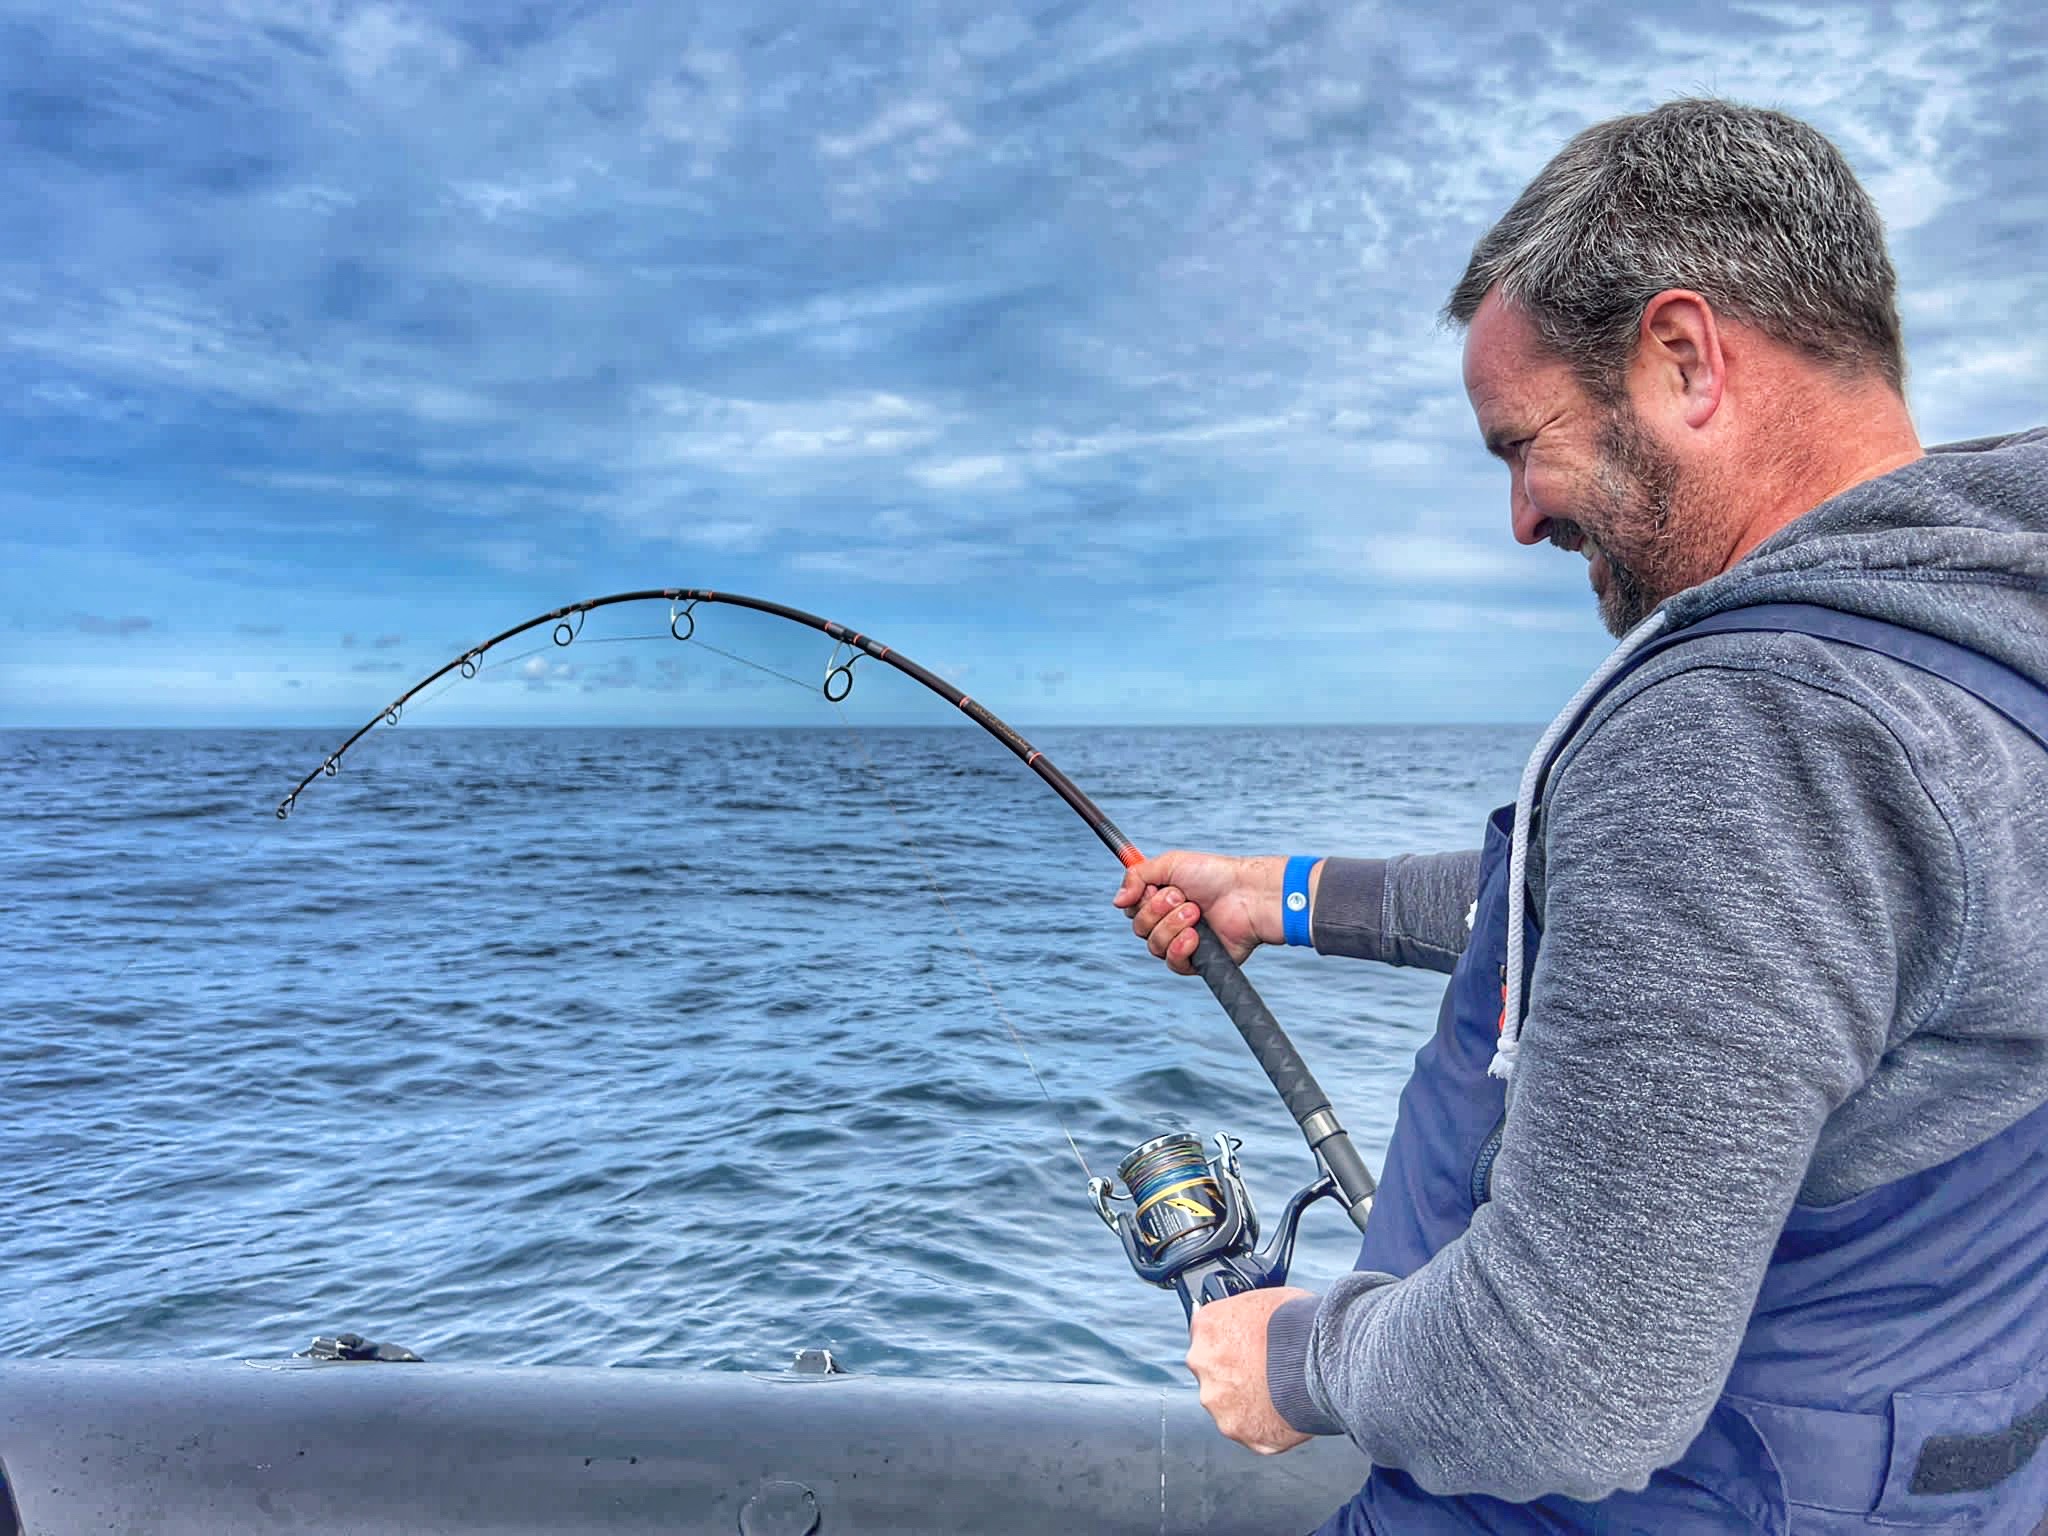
point(1837, 1459)
point(2006, 692)
point(1991, 682)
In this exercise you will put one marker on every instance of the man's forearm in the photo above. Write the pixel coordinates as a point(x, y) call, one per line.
point(1411, 909)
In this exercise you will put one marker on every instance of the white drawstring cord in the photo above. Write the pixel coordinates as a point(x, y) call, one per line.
point(1503, 1062)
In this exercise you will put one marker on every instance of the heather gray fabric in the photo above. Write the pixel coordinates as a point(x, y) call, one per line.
point(1407, 910)
point(1794, 901)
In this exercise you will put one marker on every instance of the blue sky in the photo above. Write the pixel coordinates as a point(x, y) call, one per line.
point(1086, 353)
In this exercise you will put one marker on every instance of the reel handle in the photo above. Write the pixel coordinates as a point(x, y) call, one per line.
point(1200, 1284)
point(1234, 1274)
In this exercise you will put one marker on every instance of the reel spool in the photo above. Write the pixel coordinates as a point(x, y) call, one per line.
point(1187, 1221)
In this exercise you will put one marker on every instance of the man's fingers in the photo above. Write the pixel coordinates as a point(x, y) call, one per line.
point(1171, 934)
point(1145, 916)
point(1174, 922)
point(1159, 910)
point(1148, 911)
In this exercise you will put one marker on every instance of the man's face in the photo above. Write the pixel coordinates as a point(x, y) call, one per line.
point(1583, 474)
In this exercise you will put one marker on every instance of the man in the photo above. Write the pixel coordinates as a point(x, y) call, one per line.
point(1719, 1200)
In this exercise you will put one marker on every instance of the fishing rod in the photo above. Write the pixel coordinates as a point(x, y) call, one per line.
point(1186, 1220)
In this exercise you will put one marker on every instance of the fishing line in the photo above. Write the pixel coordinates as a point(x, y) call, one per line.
point(237, 861)
point(1173, 1189)
point(932, 879)
point(743, 661)
point(472, 665)
point(1304, 1097)
point(238, 864)
point(909, 840)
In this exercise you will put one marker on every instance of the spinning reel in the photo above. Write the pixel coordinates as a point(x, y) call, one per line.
point(1189, 1225)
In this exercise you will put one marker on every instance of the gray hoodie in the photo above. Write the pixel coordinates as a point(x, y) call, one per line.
point(1794, 901)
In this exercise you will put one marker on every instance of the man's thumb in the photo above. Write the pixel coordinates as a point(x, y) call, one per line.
point(1138, 876)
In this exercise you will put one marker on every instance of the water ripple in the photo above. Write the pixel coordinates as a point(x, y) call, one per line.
point(647, 1048)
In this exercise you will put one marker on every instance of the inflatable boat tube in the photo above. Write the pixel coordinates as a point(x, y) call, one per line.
point(217, 1448)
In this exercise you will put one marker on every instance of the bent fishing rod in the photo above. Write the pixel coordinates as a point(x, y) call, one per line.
point(1186, 1220)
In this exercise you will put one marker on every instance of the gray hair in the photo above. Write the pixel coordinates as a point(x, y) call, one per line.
point(1753, 210)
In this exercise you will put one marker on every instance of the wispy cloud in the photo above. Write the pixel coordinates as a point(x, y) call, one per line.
point(977, 321)
point(745, 437)
point(539, 674)
point(99, 624)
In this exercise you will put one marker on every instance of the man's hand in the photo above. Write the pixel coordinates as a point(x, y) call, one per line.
point(1240, 897)
point(1227, 1353)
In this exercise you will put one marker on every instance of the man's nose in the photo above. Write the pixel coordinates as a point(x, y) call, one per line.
point(1531, 526)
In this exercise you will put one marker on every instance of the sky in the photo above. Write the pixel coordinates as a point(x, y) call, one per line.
point(1086, 353)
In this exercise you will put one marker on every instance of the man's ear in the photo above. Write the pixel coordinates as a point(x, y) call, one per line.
point(1679, 370)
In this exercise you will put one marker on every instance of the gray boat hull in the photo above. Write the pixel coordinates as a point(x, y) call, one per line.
point(206, 1448)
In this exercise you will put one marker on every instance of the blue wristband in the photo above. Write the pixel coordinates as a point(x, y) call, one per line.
point(1294, 897)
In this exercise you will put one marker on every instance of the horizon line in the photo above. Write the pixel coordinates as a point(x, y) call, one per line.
point(889, 725)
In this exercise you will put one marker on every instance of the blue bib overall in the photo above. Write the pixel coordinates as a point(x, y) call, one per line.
point(1941, 1277)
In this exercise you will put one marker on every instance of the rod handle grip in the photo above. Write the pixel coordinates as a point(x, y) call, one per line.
point(1284, 1068)
point(1275, 1053)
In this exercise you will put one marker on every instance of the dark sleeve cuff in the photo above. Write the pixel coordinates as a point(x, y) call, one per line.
point(1288, 1332)
point(1350, 909)
point(1407, 910)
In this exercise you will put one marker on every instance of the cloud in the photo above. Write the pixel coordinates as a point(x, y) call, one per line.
point(623, 672)
point(160, 340)
point(981, 471)
point(841, 320)
point(539, 674)
point(378, 46)
point(1424, 560)
point(957, 312)
point(378, 666)
point(692, 113)
point(745, 437)
point(516, 556)
point(387, 642)
point(97, 624)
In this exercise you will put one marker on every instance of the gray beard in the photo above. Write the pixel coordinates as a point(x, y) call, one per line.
point(1638, 482)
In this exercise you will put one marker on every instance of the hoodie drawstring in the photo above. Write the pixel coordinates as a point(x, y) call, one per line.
point(1503, 1063)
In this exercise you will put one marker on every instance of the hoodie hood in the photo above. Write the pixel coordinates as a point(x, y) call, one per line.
point(1954, 544)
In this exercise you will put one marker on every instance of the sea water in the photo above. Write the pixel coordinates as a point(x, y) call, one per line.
point(658, 1048)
